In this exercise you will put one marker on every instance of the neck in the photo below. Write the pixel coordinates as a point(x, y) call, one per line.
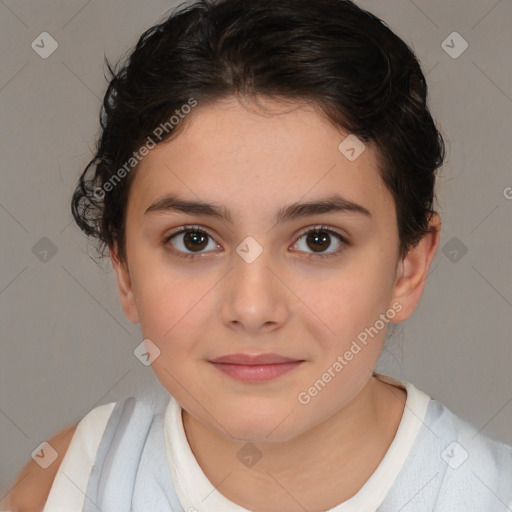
point(318, 469)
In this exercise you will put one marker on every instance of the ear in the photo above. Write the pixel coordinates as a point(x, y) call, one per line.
point(124, 284)
point(413, 269)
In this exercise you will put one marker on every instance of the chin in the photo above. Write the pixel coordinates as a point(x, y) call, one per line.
point(254, 428)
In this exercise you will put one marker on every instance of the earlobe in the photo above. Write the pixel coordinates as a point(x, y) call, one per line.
point(413, 271)
point(124, 284)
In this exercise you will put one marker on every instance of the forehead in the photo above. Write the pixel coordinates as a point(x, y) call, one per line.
point(252, 158)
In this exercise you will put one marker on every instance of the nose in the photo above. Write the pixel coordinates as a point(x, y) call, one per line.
point(255, 298)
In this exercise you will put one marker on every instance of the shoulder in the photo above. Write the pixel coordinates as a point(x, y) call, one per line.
point(476, 469)
point(108, 432)
point(478, 446)
point(127, 413)
point(33, 485)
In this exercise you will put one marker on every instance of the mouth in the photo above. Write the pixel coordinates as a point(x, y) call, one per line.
point(260, 368)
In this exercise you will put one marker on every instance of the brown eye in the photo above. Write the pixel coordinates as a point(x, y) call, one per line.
point(195, 240)
point(318, 240)
point(189, 242)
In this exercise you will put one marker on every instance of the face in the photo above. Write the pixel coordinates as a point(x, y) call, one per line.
point(247, 280)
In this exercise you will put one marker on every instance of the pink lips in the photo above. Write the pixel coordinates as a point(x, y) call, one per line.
point(258, 368)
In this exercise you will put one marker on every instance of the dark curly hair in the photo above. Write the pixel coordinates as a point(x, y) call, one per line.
point(344, 60)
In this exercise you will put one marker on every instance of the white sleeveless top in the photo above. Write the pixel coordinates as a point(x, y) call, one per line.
point(436, 461)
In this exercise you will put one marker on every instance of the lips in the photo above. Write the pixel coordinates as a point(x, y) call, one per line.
point(248, 360)
point(255, 368)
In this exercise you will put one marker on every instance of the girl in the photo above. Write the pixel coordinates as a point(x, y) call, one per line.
point(264, 183)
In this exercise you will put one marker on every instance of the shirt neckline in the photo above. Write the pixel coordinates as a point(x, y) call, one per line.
point(196, 492)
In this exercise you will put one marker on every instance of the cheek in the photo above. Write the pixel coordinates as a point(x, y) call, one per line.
point(175, 307)
point(347, 306)
point(167, 309)
point(164, 295)
point(357, 293)
point(172, 312)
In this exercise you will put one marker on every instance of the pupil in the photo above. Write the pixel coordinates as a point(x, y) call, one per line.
point(198, 240)
point(319, 238)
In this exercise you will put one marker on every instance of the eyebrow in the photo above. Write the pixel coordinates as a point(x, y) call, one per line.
point(331, 204)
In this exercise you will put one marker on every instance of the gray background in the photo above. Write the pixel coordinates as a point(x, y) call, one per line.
point(66, 345)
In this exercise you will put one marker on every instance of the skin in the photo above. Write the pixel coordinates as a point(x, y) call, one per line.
point(314, 455)
point(195, 310)
point(32, 486)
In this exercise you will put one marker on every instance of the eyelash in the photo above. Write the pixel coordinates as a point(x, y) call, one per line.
point(314, 229)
